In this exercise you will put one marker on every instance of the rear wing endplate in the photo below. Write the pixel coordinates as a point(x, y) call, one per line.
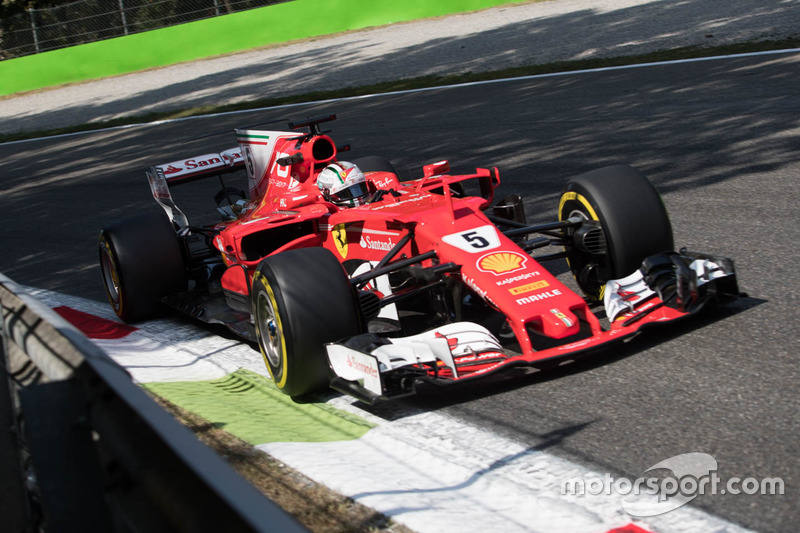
point(161, 177)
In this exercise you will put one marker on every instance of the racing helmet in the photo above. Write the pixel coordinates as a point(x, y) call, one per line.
point(343, 183)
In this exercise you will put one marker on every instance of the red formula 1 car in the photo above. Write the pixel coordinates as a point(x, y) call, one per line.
point(372, 285)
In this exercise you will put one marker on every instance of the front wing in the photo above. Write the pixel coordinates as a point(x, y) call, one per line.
point(666, 288)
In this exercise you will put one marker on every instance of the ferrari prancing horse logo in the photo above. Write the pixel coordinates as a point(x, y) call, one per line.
point(340, 239)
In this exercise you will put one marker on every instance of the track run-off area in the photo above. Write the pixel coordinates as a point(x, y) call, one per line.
point(718, 138)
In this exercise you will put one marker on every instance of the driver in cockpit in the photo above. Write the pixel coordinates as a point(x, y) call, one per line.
point(343, 184)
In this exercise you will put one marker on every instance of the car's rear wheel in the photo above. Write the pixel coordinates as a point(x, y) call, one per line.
point(625, 221)
point(141, 262)
point(301, 300)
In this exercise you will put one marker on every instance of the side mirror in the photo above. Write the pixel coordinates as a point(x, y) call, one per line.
point(436, 169)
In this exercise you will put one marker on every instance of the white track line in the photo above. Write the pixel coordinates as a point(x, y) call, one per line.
point(421, 90)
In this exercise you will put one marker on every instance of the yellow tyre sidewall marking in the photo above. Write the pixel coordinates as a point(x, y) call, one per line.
point(572, 195)
point(274, 302)
point(566, 197)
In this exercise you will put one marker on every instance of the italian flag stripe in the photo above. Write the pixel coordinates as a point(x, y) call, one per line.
point(248, 137)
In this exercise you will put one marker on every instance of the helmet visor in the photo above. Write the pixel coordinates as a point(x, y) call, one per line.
point(356, 190)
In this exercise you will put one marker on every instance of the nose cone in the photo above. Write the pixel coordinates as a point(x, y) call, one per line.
point(557, 323)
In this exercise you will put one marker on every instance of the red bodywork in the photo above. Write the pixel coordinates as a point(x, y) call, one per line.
point(285, 211)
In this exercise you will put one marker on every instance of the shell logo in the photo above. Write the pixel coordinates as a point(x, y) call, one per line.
point(501, 262)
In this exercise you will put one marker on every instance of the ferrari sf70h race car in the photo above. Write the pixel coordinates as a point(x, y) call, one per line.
point(393, 282)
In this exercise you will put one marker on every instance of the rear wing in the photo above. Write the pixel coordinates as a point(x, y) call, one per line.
point(161, 177)
point(203, 166)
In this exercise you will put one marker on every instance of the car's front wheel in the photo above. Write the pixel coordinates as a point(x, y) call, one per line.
point(625, 221)
point(301, 300)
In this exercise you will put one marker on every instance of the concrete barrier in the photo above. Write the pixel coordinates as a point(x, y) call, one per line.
point(83, 448)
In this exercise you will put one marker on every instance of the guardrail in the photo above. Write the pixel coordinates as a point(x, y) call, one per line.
point(83, 448)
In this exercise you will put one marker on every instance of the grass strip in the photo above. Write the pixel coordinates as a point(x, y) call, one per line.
point(315, 506)
point(213, 37)
point(252, 408)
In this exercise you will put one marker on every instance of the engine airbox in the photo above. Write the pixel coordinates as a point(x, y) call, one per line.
point(319, 150)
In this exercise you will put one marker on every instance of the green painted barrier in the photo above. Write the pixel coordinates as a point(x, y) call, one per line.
point(299, 19)
point(251, 407)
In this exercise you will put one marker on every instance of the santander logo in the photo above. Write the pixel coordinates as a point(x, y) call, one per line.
point(186, 166)
point(172, 170)
point(361, 367)
point(375, 244)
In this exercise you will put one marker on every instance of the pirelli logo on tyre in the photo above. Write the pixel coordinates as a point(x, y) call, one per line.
point(530, 287)
point(501, 262)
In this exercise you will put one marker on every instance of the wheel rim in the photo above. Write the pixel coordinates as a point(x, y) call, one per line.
point(110, 276)
point(578, 213)
point(584, 266)
point(582, 262)
point(271, 337)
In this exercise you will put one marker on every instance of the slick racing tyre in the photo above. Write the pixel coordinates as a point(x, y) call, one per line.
point(625, 222)
point(141, 262)
point(301, 300)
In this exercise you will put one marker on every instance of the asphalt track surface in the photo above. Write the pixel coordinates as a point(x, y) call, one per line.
point(718, 138)
point(528, 33)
